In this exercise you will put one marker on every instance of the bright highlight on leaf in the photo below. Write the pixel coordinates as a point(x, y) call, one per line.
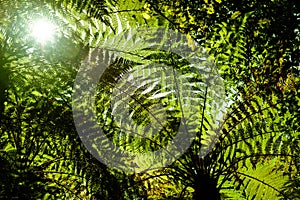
point(43, 30)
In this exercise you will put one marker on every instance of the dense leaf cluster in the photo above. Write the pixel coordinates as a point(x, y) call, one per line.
point(252, 152)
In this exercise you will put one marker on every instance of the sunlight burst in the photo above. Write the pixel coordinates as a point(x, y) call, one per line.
point(43, 30)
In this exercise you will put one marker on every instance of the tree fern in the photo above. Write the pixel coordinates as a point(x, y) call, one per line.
point(256, 155)
point(172, 90)
point(255, 129)
point(39, 145)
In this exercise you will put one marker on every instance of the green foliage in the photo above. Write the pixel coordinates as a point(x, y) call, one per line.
point(256, 61)
point(41, 154)
point(255, 46)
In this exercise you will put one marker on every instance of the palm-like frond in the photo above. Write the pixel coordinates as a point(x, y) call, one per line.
point(258, 140)
point(178, 93)
point(256, 155)
point(39, 144)
point(255, 131)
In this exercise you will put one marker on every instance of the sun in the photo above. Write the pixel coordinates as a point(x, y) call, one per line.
point(43, 30)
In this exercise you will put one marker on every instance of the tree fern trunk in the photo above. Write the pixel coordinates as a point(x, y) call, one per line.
point(3, 87)
point(206, 188)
